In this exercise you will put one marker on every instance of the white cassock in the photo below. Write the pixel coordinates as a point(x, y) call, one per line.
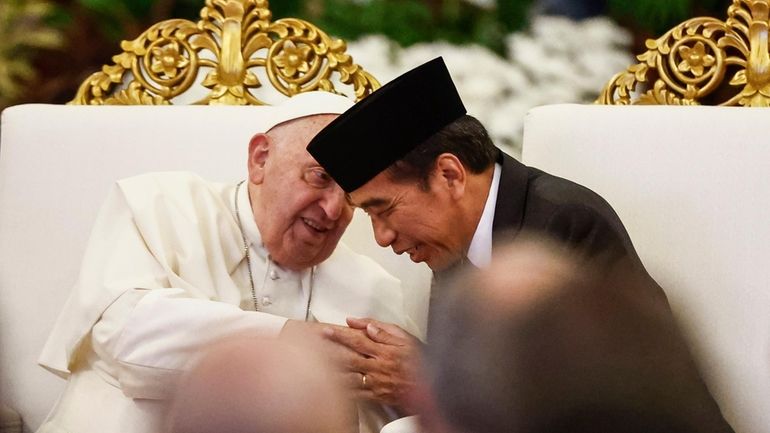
point(164, 275)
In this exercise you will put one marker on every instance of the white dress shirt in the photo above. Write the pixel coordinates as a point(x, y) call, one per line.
point(480, 251)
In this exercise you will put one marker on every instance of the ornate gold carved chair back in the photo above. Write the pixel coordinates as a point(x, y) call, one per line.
point(702, 61)
point(235, 54)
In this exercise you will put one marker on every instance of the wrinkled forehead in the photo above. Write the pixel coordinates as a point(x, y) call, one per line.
point(378, 191)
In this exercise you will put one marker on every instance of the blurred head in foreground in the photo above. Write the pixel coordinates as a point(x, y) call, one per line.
point(249, 384)
point(543, 343)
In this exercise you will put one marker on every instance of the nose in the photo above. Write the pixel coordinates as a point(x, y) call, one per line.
point(384, 235)
point(334, 203)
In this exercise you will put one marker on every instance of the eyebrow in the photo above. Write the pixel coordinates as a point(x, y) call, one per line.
point(372, 202)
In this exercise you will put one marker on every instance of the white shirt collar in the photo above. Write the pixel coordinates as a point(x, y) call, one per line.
point(480, 251)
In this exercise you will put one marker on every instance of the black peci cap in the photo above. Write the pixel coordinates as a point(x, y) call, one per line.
point(386, 125)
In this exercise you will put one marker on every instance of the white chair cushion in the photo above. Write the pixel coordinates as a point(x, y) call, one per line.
point(692, 186)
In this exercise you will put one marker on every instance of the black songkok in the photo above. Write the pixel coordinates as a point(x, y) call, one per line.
point(386, 125)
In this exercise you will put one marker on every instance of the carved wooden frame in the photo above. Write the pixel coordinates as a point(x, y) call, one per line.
point(688, 64)
point(165, 61)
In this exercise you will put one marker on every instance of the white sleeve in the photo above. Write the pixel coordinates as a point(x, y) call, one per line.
point(142, 321)
point(147, 337)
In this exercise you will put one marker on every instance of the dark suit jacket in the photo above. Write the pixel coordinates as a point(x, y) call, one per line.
point(536, 202)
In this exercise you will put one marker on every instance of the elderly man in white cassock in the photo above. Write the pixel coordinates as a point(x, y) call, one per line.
point(176, 262)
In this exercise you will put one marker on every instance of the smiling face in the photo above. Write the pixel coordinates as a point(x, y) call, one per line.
point(425, 221)
point(300, 211)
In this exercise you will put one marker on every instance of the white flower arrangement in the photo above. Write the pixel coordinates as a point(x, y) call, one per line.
point(557, 60)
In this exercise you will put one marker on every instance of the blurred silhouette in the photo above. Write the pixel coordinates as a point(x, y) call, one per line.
point(543, 342)
point(252, 384)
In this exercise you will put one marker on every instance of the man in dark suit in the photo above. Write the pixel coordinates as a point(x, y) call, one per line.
point(436, 187)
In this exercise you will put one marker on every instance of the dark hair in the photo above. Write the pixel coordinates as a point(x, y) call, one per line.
point(466, 138)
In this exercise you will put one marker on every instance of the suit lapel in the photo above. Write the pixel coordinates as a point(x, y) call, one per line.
point(511, 196)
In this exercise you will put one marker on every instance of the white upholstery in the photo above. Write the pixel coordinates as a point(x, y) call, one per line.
point(56, 166)
point(692, 185)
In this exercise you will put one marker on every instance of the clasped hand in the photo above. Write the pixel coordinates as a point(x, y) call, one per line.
point(385, 354)
point(377, 360)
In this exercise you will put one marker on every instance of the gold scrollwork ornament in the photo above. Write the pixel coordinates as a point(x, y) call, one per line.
point(691, 61)
point(225, 47)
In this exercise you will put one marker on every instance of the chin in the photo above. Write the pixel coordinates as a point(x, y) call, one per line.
point(437, 268)
point(438, 264)
point(299, 263)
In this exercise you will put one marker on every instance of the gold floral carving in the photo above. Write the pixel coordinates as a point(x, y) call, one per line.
point(231, 42)
point(688, 65)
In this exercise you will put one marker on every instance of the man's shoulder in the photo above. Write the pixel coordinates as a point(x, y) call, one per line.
point(574, 213)
point(559, 190)
point(540, 191)
point(549, 196)
point(547, 192)
point(182, 188)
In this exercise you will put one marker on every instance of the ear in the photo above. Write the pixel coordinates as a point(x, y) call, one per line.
point(259, 147)
point(450, 174)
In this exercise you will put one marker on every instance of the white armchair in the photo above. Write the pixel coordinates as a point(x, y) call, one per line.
point(57, 162)
point(56, 166)
point(692, 186)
